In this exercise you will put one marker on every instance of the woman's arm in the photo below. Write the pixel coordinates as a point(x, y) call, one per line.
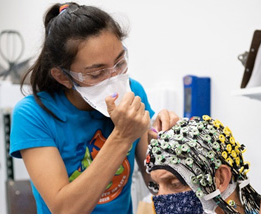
point(48, 173)
point(141, 150)
point(164, 121)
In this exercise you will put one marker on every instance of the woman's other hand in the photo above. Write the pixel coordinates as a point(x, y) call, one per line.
point(164, 121)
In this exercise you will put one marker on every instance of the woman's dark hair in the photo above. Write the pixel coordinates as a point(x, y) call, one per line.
point(64, 31)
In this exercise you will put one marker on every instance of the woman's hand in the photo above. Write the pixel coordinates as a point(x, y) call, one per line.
point(164, 121)
point(129, 117)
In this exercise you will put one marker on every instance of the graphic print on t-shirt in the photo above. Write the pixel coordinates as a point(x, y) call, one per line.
point(120, 179)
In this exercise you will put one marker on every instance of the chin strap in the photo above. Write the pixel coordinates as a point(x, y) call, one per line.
point(210, 205)
point(230, 189)
point(212, 195)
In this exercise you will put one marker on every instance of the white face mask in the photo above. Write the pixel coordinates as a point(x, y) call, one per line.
point(95, 95)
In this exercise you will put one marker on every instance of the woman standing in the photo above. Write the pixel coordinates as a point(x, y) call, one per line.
point(86, 121)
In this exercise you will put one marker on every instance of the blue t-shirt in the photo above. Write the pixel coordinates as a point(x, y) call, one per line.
point(78, 136)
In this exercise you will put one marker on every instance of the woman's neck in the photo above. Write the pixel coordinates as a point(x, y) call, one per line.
point(75, 98)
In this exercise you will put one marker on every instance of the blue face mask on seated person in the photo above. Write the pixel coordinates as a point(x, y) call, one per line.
point(178, 203)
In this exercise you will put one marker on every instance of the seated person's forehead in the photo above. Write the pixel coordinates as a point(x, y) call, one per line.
point(161, 174)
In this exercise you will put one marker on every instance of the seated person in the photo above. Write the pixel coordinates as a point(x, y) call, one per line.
point(198, 167)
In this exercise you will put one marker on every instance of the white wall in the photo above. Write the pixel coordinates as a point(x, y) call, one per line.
point(170, 39)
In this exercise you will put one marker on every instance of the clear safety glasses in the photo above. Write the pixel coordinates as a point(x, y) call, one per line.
point(95, 77)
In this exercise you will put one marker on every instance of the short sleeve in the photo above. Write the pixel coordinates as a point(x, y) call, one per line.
point(30, 127)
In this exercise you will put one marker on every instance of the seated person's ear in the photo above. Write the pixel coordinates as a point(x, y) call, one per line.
point(223, 177)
